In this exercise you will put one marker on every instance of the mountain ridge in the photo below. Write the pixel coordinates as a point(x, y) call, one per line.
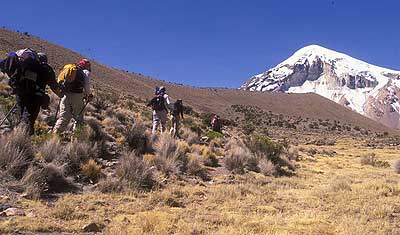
point(209, 100)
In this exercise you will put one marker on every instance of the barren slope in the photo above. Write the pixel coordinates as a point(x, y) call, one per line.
point(203, 99)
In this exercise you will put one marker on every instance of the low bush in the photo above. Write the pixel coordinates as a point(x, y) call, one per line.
point(212, 135)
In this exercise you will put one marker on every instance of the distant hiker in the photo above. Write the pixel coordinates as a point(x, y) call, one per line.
point(74, 80)
point(216, 123)
point(176, 115)
point(160, 104)
point(29, 74)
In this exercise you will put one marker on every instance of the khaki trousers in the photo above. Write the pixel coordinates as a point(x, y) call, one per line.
point(71, 106)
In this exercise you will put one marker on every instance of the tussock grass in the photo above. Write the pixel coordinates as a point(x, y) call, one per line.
point(47, 178)
point(92, 170)
point(16, 153)
point(137, 138)
point(138, 174)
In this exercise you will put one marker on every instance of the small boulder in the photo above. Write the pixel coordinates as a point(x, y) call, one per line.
point(12, 212)
point(91, 228)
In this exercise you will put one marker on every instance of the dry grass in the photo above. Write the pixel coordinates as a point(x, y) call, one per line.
point(138, 174)
point(44, 179)
point(396, 166)
point(370, 159)
point(92, 170)
point(237, 159)
point(328, 196)
point(15, 153)
point(195, 166)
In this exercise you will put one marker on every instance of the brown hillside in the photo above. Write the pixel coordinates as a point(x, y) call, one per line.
point(202, 99)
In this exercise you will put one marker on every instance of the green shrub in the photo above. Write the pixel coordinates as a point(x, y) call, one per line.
point(261, 145)
point(212, 135)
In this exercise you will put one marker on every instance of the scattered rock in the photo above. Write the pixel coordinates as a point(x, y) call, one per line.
point(4, 207)
point(91, 228)
point(12, 212)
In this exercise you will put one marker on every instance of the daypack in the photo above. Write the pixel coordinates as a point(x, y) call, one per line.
point(71, 78)
point(158, 103)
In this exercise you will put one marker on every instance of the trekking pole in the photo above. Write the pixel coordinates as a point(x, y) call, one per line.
point(8, 114)
point(58, 109)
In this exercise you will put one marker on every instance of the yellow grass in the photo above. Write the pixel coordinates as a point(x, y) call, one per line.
point(329, 195)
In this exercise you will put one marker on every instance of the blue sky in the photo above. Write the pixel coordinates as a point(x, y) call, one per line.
point(210, 42)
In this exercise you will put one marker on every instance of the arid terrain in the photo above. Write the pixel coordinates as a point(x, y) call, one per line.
point(280, 166)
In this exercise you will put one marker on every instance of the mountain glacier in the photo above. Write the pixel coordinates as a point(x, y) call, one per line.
point(367, 89)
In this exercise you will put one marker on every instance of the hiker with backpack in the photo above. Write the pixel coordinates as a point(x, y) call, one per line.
point(176, 115)
point(160, 104)
point(216, 124)
point(29, 75)
point(74, 80)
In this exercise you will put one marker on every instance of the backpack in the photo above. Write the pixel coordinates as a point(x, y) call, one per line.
point(177, 108)
point(158, 103)
point(26, 53)
point(23, 71)
point(71, 78)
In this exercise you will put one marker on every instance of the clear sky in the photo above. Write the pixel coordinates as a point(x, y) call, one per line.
point(210, 42)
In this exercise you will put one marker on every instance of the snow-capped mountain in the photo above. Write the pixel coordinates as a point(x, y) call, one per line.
point(367, 89)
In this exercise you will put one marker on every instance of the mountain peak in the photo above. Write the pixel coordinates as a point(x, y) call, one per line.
point(360, 86)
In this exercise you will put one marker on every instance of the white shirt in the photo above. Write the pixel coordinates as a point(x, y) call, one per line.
point(86, 81)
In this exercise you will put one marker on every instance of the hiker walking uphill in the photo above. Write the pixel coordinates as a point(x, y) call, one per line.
point(74, 81)
point(216, 124)
point(176, 115)
point(29, 74)
point(160, 105)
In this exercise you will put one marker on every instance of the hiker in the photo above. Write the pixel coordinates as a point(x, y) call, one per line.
point(29, 74)
point(160, 104)
point(74, 80)
point(216, 123)
point(176, 115)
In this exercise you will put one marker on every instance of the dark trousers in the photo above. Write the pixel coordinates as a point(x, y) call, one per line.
point(29, 107)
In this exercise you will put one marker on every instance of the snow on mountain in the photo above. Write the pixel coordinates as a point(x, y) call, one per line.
point(367, 89)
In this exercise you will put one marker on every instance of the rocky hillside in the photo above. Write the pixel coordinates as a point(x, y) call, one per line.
point(207, 100)
point(367, 89)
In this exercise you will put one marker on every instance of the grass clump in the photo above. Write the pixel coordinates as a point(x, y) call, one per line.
point(47, 178)
point(237, 159)
point(195, 166)
point(16, 153)
point(137, 139)
point(138, 174)
point(111, 185)
point(370, 159)
point(91, 170)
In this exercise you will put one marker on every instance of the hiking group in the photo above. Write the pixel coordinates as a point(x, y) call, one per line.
point(29, 73)
point(161, 105)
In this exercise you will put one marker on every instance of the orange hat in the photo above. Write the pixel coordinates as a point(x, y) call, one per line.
point(84, 64)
